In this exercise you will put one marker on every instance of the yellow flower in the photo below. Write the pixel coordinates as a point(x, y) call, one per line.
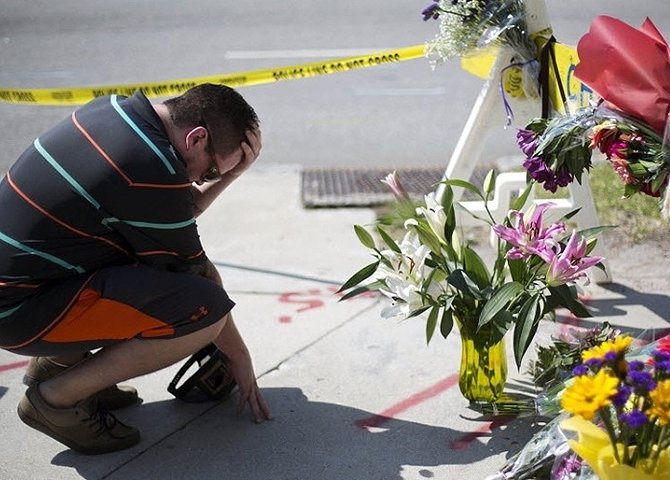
point(660, 398)
point(589, 393)
point(619, 345)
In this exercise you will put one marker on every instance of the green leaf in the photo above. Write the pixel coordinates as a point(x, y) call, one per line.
point(499, 300)
point(365, 288)
point(467, 185)
point(460, 280)
point(526, 326)
point(589, 233)
point(447, 322)
point(501, 323)
point(428, 238)
point(447, 199)
point(567, 298)
point(431, 323)
point(517, 269)
point(388, 240)
point(570, 214)
point(417, 312)
point(364, 236)
point(523, 198)
point(359, 276)
point(475, 267)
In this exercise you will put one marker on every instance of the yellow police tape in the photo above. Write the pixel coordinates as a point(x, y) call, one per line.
point(81, 95)
point(478, 65)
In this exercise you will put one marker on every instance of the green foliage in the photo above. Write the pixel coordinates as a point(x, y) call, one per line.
point(637, 217)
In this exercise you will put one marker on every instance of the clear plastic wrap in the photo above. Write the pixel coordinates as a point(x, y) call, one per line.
point(470, 25)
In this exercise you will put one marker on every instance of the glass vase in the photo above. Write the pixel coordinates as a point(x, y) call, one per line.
point(483, 370)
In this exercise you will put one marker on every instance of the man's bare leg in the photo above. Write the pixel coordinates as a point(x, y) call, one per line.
point(121, 362)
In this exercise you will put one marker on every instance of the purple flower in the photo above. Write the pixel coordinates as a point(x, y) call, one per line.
point(580, 370)
point(661, 356)
point(642, 382)
point(623, 394)
point(431, 11)
point(594, 363)
point(563, 177)
point(635, 419)
point(531, 238)
point(610, 357)
point(541, 173)
point(570, 264)
point(618, 149)
point(527, 141)
point(635, 365)
point(566, 467)
point(662, 368)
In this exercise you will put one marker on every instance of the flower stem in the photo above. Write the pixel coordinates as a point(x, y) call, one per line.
point(607, 420)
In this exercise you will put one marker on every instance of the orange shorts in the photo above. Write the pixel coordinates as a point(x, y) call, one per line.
point(112, 305)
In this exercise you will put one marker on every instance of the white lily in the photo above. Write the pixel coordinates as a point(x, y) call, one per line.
point(406, 276)
point(434, 213)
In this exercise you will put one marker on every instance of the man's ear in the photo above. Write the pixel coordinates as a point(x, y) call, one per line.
point(197, 137)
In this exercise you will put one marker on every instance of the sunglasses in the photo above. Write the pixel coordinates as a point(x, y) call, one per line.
point(211, 175)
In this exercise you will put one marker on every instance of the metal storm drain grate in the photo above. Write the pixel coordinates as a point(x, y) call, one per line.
point(327, 187)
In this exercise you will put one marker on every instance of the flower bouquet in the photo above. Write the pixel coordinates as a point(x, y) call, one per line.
point(630, 70)
point(621, 412)
point(469, 25)
point(633, 414)
point(555, 361)
point(432, 270)
point(559, 150)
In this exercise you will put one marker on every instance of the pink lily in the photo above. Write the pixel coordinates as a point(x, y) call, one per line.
point(530, 238)
point(393, 182)
point(570, 264)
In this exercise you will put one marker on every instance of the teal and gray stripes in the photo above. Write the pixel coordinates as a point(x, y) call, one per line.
point(46, 256)
point(77, 186)
point(158, 226)
point(141, 134)
point(52, 161)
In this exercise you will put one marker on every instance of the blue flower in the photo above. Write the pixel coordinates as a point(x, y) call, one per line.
point(642, 382)
point(610, 357)
point(622, 395)
point(594, 363)
point(661, 356)
point(431, 11)
point(634, 420)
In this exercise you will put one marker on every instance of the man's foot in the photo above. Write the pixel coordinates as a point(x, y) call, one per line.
point(41, 369)
point(86, 427)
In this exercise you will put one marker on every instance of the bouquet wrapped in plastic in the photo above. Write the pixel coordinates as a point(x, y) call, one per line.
point(469, 25)
point(630, 70)
point(615, 419)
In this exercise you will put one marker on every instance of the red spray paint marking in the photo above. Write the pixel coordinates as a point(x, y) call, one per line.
point(307, 303)
point(465, 441)
point(309, 300)
point(12, 366)
point(408, 403)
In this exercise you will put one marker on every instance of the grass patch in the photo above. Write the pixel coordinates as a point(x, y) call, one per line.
point(638, 217)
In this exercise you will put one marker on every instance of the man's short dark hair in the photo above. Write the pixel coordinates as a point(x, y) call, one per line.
point(220, 109)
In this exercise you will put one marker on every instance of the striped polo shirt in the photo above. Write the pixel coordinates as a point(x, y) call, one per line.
point(103, 187)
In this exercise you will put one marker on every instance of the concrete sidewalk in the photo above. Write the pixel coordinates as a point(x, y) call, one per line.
point(353, 396)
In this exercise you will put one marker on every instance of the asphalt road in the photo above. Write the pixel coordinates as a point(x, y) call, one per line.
point(405, 114)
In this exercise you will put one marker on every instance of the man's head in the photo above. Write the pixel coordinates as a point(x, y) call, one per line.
point(220, 109)
point(211, 122)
